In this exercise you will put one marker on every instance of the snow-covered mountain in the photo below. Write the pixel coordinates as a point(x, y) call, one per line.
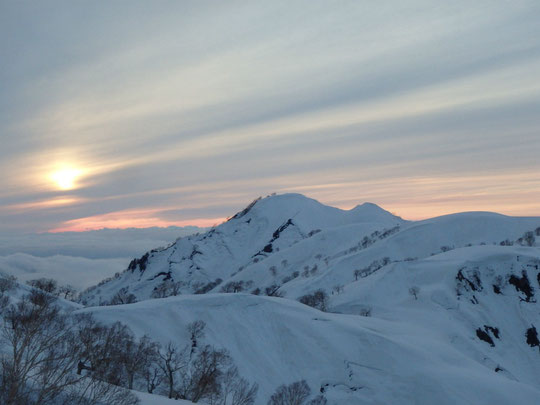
point(293, 245)
point(441, 311)
point(277, 226)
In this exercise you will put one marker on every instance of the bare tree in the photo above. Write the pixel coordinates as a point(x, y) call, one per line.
point(167, 288)
point(7, 283)
point(242, 392)
point(319, 300)
point(101, 349)
point(196, 332)
point(67, 292)
point(123, 296)
point(43, 351)
point(293, 394)
point(200, 379)
point(234, 390)
point(529, 238)
point(137, 357)
point(171, 360)
point(153, 376)
point(44, 284)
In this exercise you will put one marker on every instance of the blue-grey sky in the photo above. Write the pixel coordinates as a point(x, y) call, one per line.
point(141, 113)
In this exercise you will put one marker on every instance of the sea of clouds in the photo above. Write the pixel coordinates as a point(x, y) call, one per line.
point(81, 259)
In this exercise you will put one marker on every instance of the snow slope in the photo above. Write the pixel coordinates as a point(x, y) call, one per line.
point(410, 351)
point(436, 311)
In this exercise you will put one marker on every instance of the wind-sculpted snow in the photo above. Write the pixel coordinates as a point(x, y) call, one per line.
point(425, 352)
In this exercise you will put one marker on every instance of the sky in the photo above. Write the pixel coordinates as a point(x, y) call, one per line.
point(157, 113)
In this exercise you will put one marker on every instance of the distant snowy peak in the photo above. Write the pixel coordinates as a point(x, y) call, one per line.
point(309, 212)
point(266, 226)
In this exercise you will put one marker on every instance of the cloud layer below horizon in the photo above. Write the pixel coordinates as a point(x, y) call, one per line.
point(183, 112)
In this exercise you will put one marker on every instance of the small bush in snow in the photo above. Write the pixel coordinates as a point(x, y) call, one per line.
point(273, 291)
point(209, 286)
point(338, 289)
point(123, 296)
point(293, 394)
point(234, 287)
point(365, 312)
point(44, 284)
point(167, 288)
point(319, 300)
point(414, 291)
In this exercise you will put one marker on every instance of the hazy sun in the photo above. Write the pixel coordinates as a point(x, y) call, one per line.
point(65, 179)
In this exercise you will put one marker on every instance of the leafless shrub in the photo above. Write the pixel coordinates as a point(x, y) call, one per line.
point(44, 352)
point(123, 296)
point(293, 394)
point(319, 300)
point(167, 288)
point(414, 291)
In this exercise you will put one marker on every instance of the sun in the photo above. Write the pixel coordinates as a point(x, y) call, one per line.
point(65, 179)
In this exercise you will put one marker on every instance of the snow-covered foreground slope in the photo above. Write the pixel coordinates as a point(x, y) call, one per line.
point(421, 350)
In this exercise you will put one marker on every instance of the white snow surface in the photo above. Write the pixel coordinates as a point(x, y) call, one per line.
point(410, 351)
point(426, 312)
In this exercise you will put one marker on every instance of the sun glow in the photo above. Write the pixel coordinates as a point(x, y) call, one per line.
point(66, 178)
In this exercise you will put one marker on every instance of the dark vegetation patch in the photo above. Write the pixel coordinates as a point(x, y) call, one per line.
point(245, 210)
point(269, 248)
point(273, 291)
point(470, 283)
point(523, 285)
point(140, 263)
point(486, 334)
point(195, 252)
point(278, 231)
point(483, 335)
point(374, 266)
point(209, 286)
point(166, 275)
point(532, 337)
point(319, 300)
point(236, 286)
point(493, 330)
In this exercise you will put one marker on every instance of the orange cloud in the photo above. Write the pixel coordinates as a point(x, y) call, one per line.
point(44, 204)
point(130, 219)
